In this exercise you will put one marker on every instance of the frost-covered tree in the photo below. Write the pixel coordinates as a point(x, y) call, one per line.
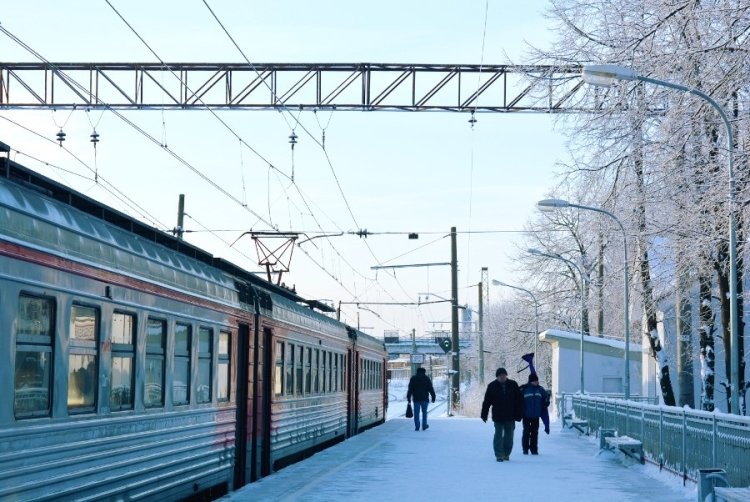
point(656, 158)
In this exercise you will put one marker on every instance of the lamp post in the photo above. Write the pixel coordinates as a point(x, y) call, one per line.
point(554, 204)
point(606, 75)
point(536, 252)
point(495, 282)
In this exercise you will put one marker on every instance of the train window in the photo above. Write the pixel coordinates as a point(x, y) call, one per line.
point(278, 385)
point(335, 373)
point(82, 353)
point(330, 372)
point(205, 363)
point(290, 370)
point(222, 393)
point(299, 367)
point(123, 356)
point(156, 335)
point(34, 335)
point(182, 351)
point(315, 366)
point(323, 377)
point(308, 372)
point(343, 373)
point(365, 373)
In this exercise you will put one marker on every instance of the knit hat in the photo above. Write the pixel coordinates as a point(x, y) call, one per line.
point(421, 370)
point(501, 371)
point(533, 378)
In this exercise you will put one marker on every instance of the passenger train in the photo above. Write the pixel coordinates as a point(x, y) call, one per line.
point(135, 366)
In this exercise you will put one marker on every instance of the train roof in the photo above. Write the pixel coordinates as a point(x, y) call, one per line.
point(25, 177)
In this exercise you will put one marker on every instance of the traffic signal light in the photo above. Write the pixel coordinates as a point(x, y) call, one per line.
point(446, 345)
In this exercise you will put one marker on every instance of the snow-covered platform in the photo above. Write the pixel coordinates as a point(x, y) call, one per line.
point(453, 460)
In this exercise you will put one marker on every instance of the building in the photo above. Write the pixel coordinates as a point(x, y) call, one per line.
point(604, 368)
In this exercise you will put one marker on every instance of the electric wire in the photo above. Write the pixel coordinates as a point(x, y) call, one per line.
point(106, 185)
point(271, 166)
point(73, 82)
point(320, 144)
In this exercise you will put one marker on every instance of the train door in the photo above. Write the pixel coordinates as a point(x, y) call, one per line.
point(263, 430)
point(357, 370)
point(349, 393)
point(243, 431)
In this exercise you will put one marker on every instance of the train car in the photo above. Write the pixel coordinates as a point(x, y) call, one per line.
point(135, 366)
point(371, 399)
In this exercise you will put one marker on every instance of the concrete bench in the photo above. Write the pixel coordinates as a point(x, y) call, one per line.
point(732, 494)
point(629, 446)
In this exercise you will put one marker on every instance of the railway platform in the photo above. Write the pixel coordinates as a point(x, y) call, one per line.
point(453, 460)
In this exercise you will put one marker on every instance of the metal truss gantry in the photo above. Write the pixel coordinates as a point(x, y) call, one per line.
point(344, 86)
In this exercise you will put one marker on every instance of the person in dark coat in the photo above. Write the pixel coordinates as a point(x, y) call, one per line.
point(504, 396)
point(420, 388)
point(535, 402)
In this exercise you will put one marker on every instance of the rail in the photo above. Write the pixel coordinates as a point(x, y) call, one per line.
point(680, 439)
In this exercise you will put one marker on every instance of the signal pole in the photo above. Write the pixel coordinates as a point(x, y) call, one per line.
point(455, 382)
point(482, 285)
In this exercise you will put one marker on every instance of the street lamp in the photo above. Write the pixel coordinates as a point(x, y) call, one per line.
point(495, 282)
point(607, 75)
point(536, 252)
point(554, 204)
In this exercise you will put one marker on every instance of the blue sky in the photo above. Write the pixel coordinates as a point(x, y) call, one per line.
point(399, 171)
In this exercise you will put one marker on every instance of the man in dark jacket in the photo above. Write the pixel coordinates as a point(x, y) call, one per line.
point(504, 396)
point(535, 402)
point(420, 387)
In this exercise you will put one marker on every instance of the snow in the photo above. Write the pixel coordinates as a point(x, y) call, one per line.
point(454, 460)
point(615, 344)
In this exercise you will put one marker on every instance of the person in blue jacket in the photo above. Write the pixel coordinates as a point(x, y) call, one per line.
point(535, 402)
point(420, 388)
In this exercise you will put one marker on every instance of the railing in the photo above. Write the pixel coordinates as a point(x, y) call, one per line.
point(681, 439)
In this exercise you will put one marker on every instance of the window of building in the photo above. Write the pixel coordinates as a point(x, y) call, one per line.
point(278, 385)
point(205, 364)
point(225, 341)
point(121, 395)
point(33, 372)
point(156, 337)
point(82, 359)
point(182, 352)
point(290, 369)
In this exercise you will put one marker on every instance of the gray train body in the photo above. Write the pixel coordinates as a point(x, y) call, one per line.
point(134, 366)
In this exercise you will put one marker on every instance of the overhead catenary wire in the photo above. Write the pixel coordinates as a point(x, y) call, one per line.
point(107, 186)
point(296, 119)
point(298, 123)
point(473, 122)
point(183, 161)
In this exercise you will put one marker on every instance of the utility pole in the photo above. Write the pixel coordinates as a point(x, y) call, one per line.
point(413, 351)
point(180, 217)
point(481, 327)
point(454, 321)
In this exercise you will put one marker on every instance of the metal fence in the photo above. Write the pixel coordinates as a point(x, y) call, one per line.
point(680, 439)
